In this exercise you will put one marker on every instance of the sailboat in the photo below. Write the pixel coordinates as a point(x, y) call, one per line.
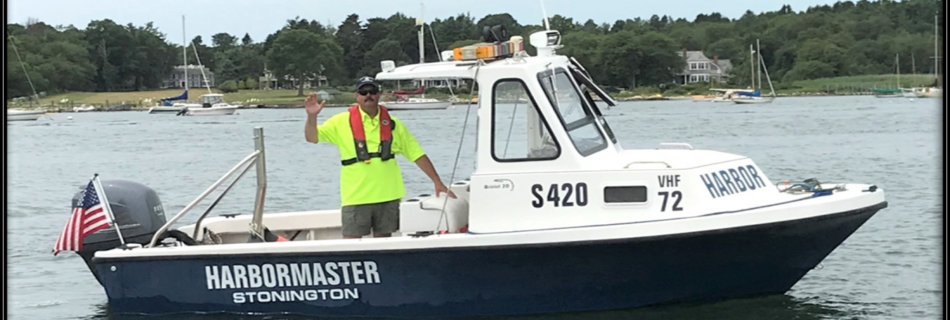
point(403, 102)
point(212, 104)
point(892, 93)
point(935, 91)
point(755, 98)
point(22, 114)
point(167, 107)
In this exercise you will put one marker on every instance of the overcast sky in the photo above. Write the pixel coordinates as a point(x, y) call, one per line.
point(260, 18)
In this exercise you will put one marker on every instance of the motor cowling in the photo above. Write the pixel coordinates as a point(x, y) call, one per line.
point(137, 210)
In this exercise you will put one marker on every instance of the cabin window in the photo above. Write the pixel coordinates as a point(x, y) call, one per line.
point(519, 131)
point(575, 116)
point(626, 194)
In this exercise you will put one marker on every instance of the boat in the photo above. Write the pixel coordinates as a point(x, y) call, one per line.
point(897, 92)
point(727, 95)
point(24, 115)
point(212, 104)
point(756, 96)
point(84, 108)
point(167, 107)
point(418, 104)
point(403, 102)
point(569, 221)
point(935, 90)
point(21, 114)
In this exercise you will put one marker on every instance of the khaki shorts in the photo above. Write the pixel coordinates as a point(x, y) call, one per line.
point(381, 217)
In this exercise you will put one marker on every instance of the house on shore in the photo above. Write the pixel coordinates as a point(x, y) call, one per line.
point(700, 68)
point(176, 78)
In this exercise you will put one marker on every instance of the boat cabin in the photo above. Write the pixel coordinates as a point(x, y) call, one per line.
point(212, 99)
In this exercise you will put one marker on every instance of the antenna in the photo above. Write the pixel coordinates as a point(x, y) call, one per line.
point(547, 25)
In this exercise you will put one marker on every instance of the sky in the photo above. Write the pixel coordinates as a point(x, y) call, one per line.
point(260, 18)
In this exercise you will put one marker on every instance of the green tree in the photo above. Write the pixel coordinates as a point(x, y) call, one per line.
point(303, 54)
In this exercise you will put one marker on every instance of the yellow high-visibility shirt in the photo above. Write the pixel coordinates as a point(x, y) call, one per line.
point(377, 181)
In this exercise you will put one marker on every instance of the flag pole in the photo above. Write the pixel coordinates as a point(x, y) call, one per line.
point(107, 206)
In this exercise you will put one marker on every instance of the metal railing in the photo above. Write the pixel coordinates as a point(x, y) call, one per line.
point(255, 158)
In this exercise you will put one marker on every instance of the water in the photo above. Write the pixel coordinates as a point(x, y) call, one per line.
point(889, 269)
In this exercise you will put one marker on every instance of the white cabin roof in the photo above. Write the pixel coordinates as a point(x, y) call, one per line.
point(462, 69)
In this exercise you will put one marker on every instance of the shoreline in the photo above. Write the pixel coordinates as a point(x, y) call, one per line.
point(132, 108)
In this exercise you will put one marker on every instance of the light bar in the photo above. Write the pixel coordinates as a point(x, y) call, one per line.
point(489, 51)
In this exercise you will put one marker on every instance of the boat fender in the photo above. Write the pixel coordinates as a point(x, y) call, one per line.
point(463, 229)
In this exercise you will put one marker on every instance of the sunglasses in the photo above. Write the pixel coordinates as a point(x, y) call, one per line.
point(364, 92)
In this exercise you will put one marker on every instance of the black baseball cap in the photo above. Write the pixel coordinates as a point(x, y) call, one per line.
point(365, 81)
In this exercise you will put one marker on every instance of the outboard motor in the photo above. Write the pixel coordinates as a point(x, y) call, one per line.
point(137, 210)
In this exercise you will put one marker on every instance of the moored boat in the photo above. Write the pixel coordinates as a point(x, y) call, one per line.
point(24, 115)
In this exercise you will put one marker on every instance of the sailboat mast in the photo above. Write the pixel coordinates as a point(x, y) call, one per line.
point(184, 51)
point(421, 24)
point(936, 54)
point(913, 64)
point(422, 52)
point(752, 63)
point(898, 70)
point(758, 52)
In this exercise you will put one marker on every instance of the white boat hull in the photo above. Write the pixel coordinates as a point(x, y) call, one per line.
point(24, 115)
point(212, 111)
point(929, 93)
point(433, 105)
point(165, 110)
point(754, 100)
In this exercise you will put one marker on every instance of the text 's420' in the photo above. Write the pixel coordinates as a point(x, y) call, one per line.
point(560, 195)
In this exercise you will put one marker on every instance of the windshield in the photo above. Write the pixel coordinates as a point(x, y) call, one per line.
point(587, 87)
point(575, 115)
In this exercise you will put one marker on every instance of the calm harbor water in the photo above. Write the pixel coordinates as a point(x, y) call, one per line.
point(889, 269)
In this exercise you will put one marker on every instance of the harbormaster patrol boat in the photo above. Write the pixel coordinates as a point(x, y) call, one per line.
point(556, 217)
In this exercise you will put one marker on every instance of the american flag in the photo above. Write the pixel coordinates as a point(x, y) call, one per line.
point(87, 218)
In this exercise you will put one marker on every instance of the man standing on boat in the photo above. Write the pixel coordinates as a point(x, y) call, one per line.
point(371, 185)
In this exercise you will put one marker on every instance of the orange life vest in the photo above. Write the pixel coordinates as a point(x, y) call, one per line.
point(386, 125)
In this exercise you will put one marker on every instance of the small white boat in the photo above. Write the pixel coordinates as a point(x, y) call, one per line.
point(935, 90)
point(84, 108)
point(418, 104)
point(929, 92)
point(212, 104)
point(753, 100)
point(24, 115)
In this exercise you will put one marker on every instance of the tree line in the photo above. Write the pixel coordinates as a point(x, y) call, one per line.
point(844, 39)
